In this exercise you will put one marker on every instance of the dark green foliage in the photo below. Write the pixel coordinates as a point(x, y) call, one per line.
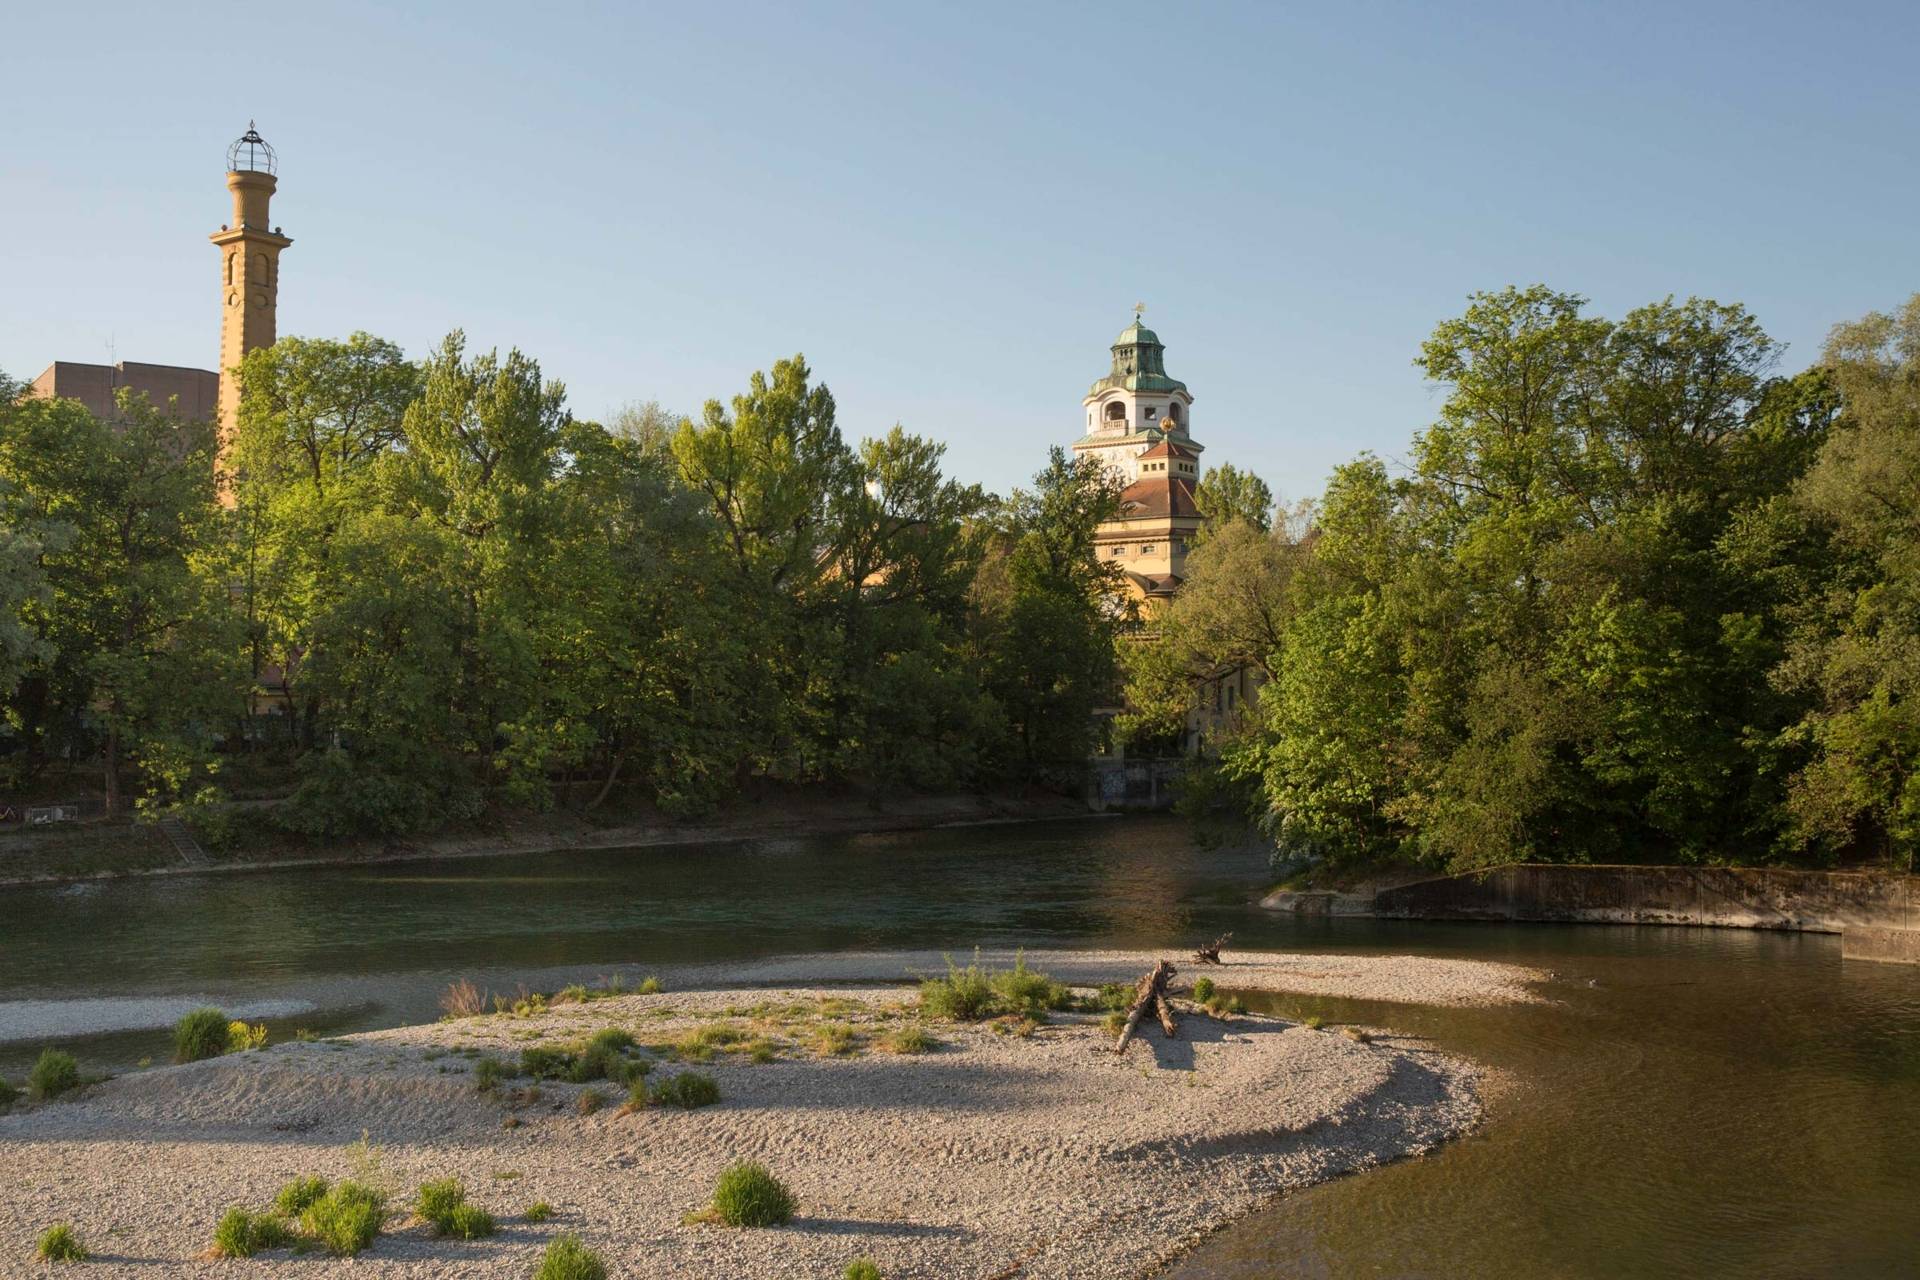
point(487, 1074)
point(1203, 989)
point(567, 1259)
point(53, 1074)
point(603, 1057)
point(467, 1222)
point(8, 1095)
point(295, 1196)
point(539, 1211)
point(963, 995)
point(347, 1218)
point(200, 1034)
point(545, 1063)
point(687, 1089)
point(861, 1269)
point(58, 1243)
point(1021, 990)
point(748, 1195)
point(241, 1234)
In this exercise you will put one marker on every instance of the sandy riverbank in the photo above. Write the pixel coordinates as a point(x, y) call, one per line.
point(993, 1155)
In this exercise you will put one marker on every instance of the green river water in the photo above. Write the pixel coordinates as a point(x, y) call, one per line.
point(1688, 1102)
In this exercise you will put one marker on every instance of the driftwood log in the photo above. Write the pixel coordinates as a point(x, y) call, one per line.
point(1150, 993)
point(1210, 954)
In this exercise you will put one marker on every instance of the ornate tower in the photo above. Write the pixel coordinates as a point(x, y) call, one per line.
point(249, 267)
point(1136, 405)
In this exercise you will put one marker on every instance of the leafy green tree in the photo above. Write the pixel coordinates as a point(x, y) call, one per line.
point(1227, 494)
point(1050, 613)
point(133, 649)
point(1855, 648)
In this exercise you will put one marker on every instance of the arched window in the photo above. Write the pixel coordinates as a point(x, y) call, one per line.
point(1173, 412)
point(1116, 411)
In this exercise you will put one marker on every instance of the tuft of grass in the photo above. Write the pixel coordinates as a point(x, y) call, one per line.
point(603, 1057)
point(748, 1195)
point(689, 1089)
point(1313, 1022)
point(834, 1039)
point(1115, 1020)
point(589, 1101)
point(467, 1222)
point(436, 1201)
point(8, 1096)
point(573, 994)
point(240, 1234)
point(201, 1034)
point(762, 1051)
point(637, 1096)
point(1114, 995)
point(305, 1036)
point(545, 1063)
point(462, 999)
point(649, 986)
point(53, 1074)
point(962, 996)
point(539, 1211)
point(487, 1074)
point(567, 1259)
point(298, 1194)
point(1021, 990)
point(346, 1218)
point(241, 1037)
point(58, 1243)
point(1357, 1034)
point(861, 1269)
point(909, 1039)
point(1203, 989)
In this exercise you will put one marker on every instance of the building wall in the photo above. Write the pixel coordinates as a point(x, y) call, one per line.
point(193, 395)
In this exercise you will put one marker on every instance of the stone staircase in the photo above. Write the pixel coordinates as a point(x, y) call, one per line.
point(183, 842)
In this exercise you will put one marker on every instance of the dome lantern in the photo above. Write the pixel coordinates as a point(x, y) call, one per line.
point(251, 154)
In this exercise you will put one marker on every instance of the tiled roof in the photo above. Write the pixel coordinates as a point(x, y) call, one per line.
point(1168, 449)
point(1159, 495)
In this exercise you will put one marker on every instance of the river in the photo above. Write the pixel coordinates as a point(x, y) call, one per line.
point(1689, 1102)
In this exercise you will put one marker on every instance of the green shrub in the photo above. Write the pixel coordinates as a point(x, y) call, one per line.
point(467, 1222)
point(58, 1243)
point(748, 1195)
point(8, 1096)
point(1203, 989)
point(964, 994)
point(241, 1234)
point(436, 1201)
point(1116, 1020)
point(567, 1259)
point(689, 1089)
point(574, 994)
point(1021, 990)
point(539, 1211)
point(54, 1074)
point(650, 986)
point(636, 1095)
point(1114, 995)
point(298, 1194)
point(603, 1057)
point(487, 1074)
point(1313, 1022)
point(861, 1269)
point(835, 1039)
point(589, 1101)
point(201, 1034)
point(347, 1218)
point(543, 1063)
point(634, 1070)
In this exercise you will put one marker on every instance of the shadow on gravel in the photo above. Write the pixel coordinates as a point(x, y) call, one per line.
point(871, 1227)
point(1197, 1029)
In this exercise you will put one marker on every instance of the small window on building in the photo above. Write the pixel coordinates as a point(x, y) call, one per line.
point(1151, 413)
point(1173, 412)
point(1147, 550)
point(1116, 411)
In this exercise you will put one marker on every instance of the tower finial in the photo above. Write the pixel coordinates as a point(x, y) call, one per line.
point(1139, 310)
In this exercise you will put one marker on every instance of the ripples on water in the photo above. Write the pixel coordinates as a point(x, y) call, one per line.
point(1691, 1102)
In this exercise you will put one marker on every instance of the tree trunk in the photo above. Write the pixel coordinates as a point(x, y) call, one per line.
point(1149, 993)
point(613, 772)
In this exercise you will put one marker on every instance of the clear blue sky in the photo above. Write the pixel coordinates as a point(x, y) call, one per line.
point(951, 209)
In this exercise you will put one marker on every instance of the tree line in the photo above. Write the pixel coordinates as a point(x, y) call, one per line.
point(1635, 596)
point(450, 592)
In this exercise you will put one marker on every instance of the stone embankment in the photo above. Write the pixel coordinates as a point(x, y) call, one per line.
point(1876, 914)
point(999, 1150)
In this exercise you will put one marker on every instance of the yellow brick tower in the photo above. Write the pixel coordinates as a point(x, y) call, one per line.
point(249, 271)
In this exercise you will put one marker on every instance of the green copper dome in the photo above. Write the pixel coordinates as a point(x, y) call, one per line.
point(1139, 363)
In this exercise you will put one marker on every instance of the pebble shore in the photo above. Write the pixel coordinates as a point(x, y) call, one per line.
point(993, 1155)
